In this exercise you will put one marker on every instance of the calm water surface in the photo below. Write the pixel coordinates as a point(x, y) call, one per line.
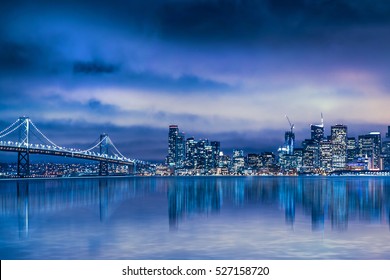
point(196, 218)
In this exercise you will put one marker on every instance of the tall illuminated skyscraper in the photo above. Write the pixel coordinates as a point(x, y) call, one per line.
point(180, 154)
point(176, 147)
point(351, 149)
point(317, 131)
point(172, 136)
point(370, 146)
point(311, 158)
point(325, 154)
point(289, 139)
point(339, 146)
point(216, 148)
point(191, 153)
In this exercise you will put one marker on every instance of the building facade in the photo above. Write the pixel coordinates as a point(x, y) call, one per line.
point(339, 146)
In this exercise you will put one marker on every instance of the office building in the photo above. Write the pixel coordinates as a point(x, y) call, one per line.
point(216, 149)
point(317, 132)
point(289, 139)
point(238, 161)
point(307, 161)
point(176, 147)
point(351, 149)
point(369, 146)
point(172, 145)
point(339, 146)
point(310, 145)
point(325, 154)
point(191, 153)
point(298, 153)
point(253, 160)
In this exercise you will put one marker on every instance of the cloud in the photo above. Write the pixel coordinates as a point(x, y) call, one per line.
point(212, 67)
point(17, 58)
point(94, 67)
point(266, 22)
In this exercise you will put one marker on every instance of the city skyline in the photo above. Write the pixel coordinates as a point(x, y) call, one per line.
point(298, 142)
point(223, 70)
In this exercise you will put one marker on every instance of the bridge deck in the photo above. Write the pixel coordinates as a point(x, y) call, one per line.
point(64, 153)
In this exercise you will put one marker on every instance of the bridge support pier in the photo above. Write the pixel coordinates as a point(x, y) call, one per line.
point(103, 168)
point(104, 144)
point(23, 164)
point(24, 156)
point(132, 169)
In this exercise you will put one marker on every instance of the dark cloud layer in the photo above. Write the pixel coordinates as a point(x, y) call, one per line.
point(218, 19)
point(21, 58)
point(94, 67)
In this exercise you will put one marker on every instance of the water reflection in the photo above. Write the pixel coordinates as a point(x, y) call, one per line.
point(189, 196)
point(26, 198)
point(22, 206)
point(103, 199)
point(325, 202)
point(336, 200)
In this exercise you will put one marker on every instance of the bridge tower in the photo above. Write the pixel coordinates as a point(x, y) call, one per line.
point(104, 144)
point(23, 154)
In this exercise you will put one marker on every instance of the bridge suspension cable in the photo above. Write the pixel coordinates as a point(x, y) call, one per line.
point(1, 132)
point(116, 148)
point(101, 141)
point(25, 121)
point(44, 136)
point(12, 130)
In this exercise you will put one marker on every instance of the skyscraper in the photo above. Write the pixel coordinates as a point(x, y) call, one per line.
point(172, 136)
point(202, 150)
point(311, 160)
point(180, 154)
point(191, 153)
point(253, 160)
point(238, 161)
point(216, 148)
point(339, 146)
point(370, 145)
point(317, 131)
point(325, 154)
point(317, 135)
point(289, 139)
point(386, 150)
point(351, 149)
point(176, 147)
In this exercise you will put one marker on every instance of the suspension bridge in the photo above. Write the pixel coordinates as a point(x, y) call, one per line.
point(24, 138)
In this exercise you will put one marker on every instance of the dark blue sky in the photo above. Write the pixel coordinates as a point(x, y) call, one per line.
point(223, 70)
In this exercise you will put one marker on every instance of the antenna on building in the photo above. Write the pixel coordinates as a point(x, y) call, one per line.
point(322, 120)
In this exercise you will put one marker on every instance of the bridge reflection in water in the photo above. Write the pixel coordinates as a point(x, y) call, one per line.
point(25, 198)
point(332, 202)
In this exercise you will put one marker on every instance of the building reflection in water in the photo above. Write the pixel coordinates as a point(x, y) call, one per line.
point(288, 192)
point(317, 193)
point(338, 205)
point(332, 200)
point(189, 196)
point(327, 202)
